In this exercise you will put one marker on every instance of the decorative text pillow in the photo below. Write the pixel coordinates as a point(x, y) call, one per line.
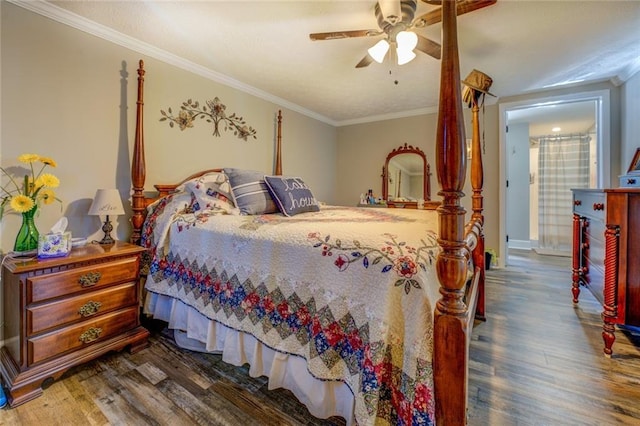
point(250, 192)
point(211, 191)
point(291, 195)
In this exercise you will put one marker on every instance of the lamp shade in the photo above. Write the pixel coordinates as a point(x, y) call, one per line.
point(106, 202)
point(379, 50)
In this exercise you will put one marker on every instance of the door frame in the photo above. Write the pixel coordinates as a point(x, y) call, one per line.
point(603, 130)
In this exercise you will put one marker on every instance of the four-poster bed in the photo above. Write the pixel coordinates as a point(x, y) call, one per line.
point(362, 357)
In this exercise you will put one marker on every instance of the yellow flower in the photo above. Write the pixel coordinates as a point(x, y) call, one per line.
point(28, 158)
point(31, 185)
point(48, 161)
point(47, 196)
point(48, 180)
point(21, 203)
point(25, 191)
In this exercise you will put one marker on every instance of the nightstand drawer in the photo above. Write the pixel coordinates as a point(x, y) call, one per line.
point(62, 312)
point(43, 287)
point(50, 315)
point(79, 335)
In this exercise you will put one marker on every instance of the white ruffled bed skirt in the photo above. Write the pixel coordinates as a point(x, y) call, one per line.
point(195, 332)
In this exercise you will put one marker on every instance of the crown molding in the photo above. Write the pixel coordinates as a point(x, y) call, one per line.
point(80, 23)
point(627, 73)
point(73, 20)
point(403, 114)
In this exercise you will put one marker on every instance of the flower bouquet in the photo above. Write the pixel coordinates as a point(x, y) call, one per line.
point(25, 194)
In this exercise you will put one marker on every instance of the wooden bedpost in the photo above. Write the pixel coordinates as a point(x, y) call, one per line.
point(278, 168)
point(138, 166)
point(451, 347)
point(477, 177)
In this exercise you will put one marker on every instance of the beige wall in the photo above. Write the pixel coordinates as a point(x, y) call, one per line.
point(363, 149)
point(630, 120)
point(72, 96)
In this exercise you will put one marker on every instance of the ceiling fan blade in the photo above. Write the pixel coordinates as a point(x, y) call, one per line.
point(344, 34)
point(429, 47)
point(464, 6)
point(365, 62)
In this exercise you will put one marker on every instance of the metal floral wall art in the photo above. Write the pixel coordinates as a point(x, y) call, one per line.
point(213, 111)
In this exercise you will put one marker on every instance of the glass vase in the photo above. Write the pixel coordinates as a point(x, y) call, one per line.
point(27, 238)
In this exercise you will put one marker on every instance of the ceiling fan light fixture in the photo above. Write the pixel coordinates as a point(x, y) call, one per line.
point(405, 56)
point(379, 51)
point(407, 40)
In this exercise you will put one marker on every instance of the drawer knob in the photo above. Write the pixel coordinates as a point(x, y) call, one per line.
point(577, 203)
point(90, 279)
point(598, 206)
point(89, 308)
point(90, 335)
point(631, 181)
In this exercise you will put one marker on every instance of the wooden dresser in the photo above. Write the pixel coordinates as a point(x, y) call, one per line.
point(606, 254)
point(62, 312)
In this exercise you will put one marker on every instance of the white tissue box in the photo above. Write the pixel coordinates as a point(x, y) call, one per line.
point(56, 244)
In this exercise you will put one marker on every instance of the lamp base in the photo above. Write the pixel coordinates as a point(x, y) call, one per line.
point(107, 227)
point(107, 240)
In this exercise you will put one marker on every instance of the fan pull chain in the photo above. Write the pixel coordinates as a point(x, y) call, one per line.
point(394, 81)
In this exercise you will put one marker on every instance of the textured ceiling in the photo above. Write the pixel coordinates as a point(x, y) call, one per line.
point(570, 117)
point(264, 45)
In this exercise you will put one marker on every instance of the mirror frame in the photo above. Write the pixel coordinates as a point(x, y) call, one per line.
point(426, 169)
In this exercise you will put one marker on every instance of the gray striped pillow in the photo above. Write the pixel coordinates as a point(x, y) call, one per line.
point(250, 192)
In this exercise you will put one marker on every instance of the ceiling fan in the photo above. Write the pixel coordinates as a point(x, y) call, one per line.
point(396, 22)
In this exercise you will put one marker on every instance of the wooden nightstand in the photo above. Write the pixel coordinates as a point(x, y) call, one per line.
point(62, 312)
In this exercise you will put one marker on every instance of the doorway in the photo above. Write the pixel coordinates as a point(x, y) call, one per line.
point(580, 117)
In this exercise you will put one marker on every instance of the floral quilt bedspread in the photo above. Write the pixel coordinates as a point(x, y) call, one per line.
point(352, 290)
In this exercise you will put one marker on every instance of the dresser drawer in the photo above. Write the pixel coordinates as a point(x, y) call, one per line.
point(630, 181)
point(44, 287)
point(61, 312)
point(76, 336)
point(594, 235)
point(589, 204)
point(595, 281)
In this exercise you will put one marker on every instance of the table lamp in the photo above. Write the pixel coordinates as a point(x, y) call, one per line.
point(106, 202)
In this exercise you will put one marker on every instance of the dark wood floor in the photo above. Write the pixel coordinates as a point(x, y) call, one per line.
point(536, 361)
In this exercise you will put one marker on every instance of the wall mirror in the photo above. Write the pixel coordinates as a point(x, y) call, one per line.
point(634, 167)
point(406, 176)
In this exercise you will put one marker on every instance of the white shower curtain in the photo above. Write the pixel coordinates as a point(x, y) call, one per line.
point(563, 165)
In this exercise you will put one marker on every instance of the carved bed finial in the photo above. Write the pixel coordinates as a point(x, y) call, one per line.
point(450, 317)
point(138, 166)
